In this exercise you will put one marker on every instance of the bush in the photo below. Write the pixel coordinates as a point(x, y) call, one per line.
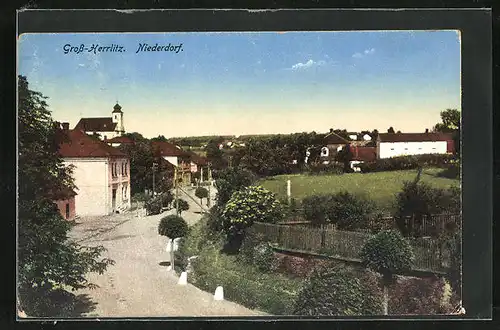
point(346, 210)
point(333, 290)
point(181, 204)
point(153, 206)
point(230, 180)
point(452, 171)
point(417, 296)
point(387, 253)
point(247, 249)
point(321, 169)
point(244, 284)
point(419, 200)
point(201, 192)
point(172, 226)
point(407, 162)
point(264, 258)
point(166, 199)
point(252, 204)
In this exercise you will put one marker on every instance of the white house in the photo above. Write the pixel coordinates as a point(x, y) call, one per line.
point(404, 144)
point(106, 127)
point(101, 174)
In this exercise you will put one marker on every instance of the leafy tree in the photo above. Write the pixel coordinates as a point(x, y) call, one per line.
point(201, 193)
point(333, 290)
point(46, 258)
point(172, 226)
point(387, 253)
point(391, 130)
point(214, 155)
point(450, 123)
point(231, 180)
point(181, 205)
point(249, 205)
point(345, 156)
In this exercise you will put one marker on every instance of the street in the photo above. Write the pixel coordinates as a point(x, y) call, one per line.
point(139, 285)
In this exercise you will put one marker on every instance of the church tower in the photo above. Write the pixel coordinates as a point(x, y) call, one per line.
point(117, 117)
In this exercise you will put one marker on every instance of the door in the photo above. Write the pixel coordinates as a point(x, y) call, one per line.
point(113, 200)
point(67, 211)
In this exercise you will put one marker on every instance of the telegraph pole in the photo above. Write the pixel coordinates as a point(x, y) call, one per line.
point(155, 166)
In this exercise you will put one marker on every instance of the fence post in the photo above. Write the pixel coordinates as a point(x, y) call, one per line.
point(323, 235)
point(289, 191)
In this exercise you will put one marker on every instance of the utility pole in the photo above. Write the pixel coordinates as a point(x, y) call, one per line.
point(155, 166)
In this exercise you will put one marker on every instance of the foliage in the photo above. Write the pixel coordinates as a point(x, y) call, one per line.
point(387, 253)
point(450, 123)
point(452, 171)
point(172, 226)
point(391, 130)
point(252, 204)
point(201, 192)
point(320, 169)
point(247, 250)
point(230, 180)
point(181, 205)
point(46, 257)
point(418, 200)
point(332, 290)
point(264, 258)
point(153, 206)
point(244, 283)
point(407, 162)
point(421, 296)
point(454, 244)
point(344, 157)
point(346, 210)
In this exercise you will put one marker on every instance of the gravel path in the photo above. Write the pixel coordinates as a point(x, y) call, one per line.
point(138, 285)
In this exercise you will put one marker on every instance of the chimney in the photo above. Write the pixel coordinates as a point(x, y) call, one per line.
point(65, 126)
point(426, 130)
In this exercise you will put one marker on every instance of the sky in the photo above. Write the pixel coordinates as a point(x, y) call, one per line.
point(248, 83)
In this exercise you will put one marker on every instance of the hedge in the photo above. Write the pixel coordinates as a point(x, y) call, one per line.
point(407, 162)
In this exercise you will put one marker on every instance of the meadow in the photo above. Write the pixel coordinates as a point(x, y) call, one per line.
point(381, 187)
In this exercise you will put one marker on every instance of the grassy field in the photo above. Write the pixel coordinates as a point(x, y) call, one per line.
point(379, 186)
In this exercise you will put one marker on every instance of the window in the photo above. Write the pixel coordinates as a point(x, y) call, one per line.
point(67, 210)
point(114, 172)
point(123, 169)
point(125, 192)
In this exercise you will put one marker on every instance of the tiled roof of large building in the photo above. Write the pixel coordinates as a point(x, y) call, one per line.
point(167, 149)
point(98, 124)
point(414, 137)
point(79, 144)
point(120, 139)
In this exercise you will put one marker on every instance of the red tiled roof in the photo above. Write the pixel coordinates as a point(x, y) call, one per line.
point(98, 124)
point(414, 137)
point(365, 154)
point(80, 144)
point(332, 138)
point(168, 149)
point(120, 139)
point(197, 159)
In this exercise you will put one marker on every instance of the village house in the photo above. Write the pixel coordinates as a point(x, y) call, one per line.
point(200, 165)
point(104, 127)
point(177, 157)
point(404, 144)
point(64, 198)
point(101, 173)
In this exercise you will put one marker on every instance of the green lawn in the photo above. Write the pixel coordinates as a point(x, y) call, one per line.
point(379, 186)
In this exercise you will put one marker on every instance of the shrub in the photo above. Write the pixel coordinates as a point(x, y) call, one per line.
point(346, 210)
point(153, 206)
point(407, 162)
point(230, 180)
point(252, 204)
point(264, 258)
point(166, 199)
point(417, 296)
point(452, 171)
point(181, 204)
point(201, 193)
point(335, 291)
point(172, 226)
point(250, 242)
point(321, 169)
point(419, 200)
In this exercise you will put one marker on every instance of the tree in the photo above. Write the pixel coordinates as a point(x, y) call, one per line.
point(450, 123)
point(46, 258)
point(201, 193)
point(387, 253)
point(390, 130)
point(181, 205)
point(173, 227)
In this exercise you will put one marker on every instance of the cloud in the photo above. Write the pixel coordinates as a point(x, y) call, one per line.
point(307, 65)
point(366, 52)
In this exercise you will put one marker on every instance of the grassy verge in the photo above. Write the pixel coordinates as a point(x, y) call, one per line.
point(380, 186)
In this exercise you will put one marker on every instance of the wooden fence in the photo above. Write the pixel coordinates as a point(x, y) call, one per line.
point(429, 255)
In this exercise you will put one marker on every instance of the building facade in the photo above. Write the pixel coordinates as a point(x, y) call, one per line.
point(101, 174)
point(405, 144)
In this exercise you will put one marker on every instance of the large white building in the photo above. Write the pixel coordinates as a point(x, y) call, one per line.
point(101, 174)
point(106, 127)
point(404, 144)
